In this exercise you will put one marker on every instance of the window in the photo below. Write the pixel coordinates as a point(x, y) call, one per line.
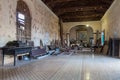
point(23, 19)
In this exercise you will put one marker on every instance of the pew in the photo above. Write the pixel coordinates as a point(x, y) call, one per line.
point(38, 52)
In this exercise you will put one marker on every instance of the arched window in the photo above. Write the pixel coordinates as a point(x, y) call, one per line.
point(23, 21)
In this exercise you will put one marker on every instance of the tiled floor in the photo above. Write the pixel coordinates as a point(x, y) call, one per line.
point(81, 66)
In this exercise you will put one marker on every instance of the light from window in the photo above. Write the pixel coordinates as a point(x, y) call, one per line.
point(21, 16)
point(22, 27)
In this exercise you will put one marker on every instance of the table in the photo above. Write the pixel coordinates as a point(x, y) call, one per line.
point(15, 51)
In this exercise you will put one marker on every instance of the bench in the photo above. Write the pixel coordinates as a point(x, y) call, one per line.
point(38, 52)
point(53, 50)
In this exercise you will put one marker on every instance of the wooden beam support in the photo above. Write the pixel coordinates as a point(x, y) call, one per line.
point(81, 19)
point(82, 13)
point(79, 10)
point(75, 9)
point(83, 16)
point(107, 1)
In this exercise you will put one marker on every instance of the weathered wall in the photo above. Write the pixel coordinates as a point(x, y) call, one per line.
point(44, 22)
point(7, 21)
point(111, 21)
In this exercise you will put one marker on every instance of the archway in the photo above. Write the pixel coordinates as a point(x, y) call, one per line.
point(23, 19)
point(81, 34)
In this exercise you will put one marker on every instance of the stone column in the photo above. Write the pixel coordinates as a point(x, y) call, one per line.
point(77, 36)
point(61, 31)
point(68, 39)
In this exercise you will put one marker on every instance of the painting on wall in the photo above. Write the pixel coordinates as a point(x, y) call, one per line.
point(83, 35)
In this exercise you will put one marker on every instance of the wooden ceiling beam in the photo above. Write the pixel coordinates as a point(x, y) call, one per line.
point(107, 1)
point(52, 3)
point(75, 9)
point(79, 10)
point(82, 3)
point(82, 13)
point(83, 16)
point(60, 1)
point(81, 19)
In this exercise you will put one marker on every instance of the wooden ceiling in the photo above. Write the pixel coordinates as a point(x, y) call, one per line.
point(79, 10)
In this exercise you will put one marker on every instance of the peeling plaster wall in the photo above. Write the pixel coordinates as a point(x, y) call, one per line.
point(44, 22)
point(111, 21)
point(7, 21)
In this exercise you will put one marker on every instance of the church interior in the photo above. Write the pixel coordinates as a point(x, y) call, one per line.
point(59, 40)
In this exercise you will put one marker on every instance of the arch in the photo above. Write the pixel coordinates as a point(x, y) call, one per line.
point(81, 33)
point(95, 25)
point(23, 19)
point(90, 27)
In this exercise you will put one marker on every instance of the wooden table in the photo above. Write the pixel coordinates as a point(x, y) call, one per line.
point(15, 51)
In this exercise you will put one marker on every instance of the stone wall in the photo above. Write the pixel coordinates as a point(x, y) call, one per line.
point(44, 22)
point(111, 21)
point(7, 21)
